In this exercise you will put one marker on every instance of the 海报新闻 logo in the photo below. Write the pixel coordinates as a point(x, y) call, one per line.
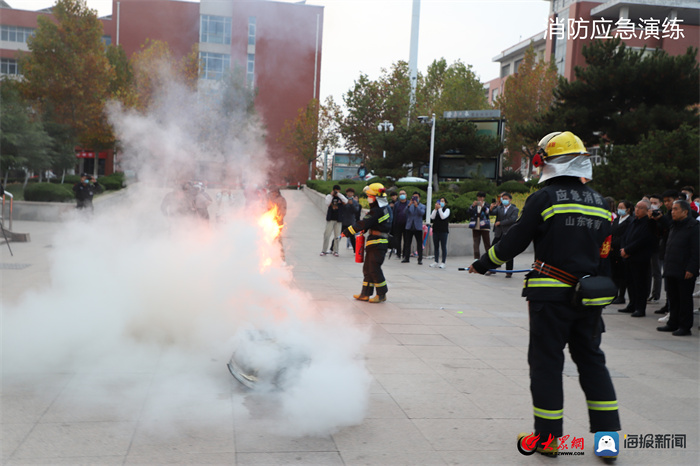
point(607, 444)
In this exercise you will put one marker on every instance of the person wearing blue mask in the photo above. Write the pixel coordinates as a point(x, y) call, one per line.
point(85, 190)
point(506, 216)
point(440, 217)
point(398, 227)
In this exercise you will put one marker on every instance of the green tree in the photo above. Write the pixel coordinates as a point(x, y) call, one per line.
point(364, 108)
point(453, 87)
point(121, 85)
point(622, 94)
point(369, 102)
point(411, 146)
point(68, 74)
point(661, 160)
point(24, 144)
point(527, 93)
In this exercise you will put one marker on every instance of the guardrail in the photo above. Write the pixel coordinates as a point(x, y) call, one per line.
point(2, 214)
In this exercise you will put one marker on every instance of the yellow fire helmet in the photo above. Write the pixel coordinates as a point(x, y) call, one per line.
point(375, 189)
point(566, 143)
point(563, 155)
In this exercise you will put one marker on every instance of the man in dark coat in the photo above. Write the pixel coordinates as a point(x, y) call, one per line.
point(506, 216)
point(636, 248)
point(681, 268)
point(85, 190)
point(398, 226)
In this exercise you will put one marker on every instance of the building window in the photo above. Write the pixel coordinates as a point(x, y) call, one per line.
point(215, 29)
point(250, 68)
point(494, 95)
point(516, 65)
point(215, 64)
point(560, 45)
point(251, 30)
point(505, 70)
point(8, 66)
point(15, 33)
point(107, 40)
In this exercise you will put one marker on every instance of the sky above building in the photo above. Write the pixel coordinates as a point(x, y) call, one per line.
point(364, 36)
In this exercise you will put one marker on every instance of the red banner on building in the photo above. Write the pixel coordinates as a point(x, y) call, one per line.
point(86, 154)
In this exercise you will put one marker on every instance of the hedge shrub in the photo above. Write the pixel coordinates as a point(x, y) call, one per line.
point(69, 180)
point(458, 202)
point(513, 187)
point(112, 182)
point(48, 192)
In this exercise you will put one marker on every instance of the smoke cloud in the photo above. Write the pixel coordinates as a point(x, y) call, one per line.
point(134, 291)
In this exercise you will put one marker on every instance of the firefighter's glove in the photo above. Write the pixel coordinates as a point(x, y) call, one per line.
point(479, 267)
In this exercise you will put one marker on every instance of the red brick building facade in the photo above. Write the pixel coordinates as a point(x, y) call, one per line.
point(671, 25)
point(277, 44)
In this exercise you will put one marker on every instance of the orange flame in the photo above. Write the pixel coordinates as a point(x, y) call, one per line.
point(269, 223)
point(271, 228)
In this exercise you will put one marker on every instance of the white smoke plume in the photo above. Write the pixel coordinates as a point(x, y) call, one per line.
point(133, 291)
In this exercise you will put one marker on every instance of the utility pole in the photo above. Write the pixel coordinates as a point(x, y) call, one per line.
point(413, 57)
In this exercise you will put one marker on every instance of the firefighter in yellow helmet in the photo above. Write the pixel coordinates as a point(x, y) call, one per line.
point(377, 224)
point(569, 224)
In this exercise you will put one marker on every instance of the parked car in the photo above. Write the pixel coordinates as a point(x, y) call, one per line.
point(411, 179)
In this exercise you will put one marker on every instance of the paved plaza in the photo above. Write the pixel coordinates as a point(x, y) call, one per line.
point(447, 358)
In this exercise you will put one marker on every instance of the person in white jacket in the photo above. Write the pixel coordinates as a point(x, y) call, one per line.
point(441, 228)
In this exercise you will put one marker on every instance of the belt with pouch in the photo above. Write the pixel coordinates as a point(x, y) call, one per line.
point(553, 272)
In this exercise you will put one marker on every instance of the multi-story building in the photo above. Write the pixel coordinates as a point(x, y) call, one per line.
point(510, 60)
point(277, 44)
point(670, 25)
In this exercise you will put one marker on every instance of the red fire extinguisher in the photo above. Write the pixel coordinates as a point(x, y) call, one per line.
point(359, 248)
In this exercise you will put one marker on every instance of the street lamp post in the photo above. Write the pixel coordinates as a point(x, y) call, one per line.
point(385, 126)
point(430, 169)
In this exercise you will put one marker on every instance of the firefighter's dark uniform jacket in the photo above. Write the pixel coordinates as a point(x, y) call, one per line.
point(569, 223)
point(378, 225)
point(376, 220)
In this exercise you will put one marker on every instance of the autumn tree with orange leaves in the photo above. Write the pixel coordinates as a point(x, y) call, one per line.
point(527, 93)
point(68, 75)
point(154, 66)
point(313, 131)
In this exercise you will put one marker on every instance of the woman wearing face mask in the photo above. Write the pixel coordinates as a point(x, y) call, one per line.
point(617, 266)
point(440, 217)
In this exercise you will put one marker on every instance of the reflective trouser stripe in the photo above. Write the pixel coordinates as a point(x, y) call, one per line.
point(493, 258)
point(548, 414)
point(365, 284)
point(544, 283)
point(376, 241)
point(380, 284)
point(597, 301)
point(602, 405)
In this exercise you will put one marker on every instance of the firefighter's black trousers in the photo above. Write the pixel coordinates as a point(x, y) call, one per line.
point(372, 270)
point(552, 326)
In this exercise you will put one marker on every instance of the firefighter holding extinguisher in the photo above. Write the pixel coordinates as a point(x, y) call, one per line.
point(377, 225)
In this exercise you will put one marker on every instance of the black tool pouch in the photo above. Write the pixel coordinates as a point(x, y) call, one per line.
point(594, 292)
